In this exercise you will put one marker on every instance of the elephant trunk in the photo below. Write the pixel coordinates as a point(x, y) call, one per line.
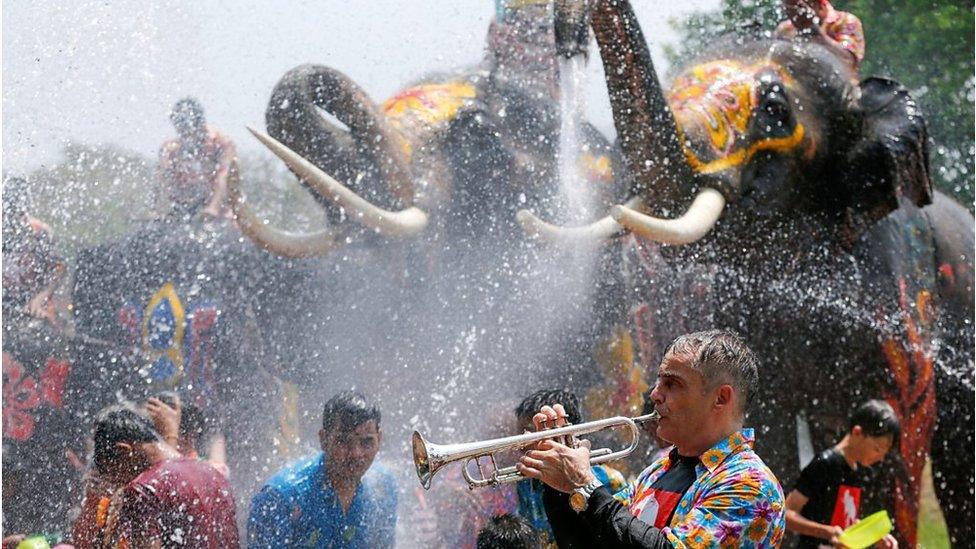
point(646, 128)
point(324, 117)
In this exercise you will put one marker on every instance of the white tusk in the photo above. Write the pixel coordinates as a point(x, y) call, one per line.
point(694, 224)
point(404, 223)
point(594, 233)
point(283, 243)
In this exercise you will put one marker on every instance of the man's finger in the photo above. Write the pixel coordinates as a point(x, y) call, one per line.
point(528, 471)
point(532, 462)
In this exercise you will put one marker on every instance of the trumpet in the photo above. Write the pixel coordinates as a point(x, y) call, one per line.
point(430, 458)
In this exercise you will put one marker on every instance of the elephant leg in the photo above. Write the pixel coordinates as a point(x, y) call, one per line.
point(952, 456)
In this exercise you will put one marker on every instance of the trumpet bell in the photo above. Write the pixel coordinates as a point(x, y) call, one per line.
point(421, 459)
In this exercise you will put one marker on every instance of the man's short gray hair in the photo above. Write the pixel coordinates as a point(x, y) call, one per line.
point(721, 356)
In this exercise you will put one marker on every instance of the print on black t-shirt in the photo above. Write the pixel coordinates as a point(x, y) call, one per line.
point(833, 491)
point(657, 505)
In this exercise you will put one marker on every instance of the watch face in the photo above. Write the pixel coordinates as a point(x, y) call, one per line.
point(577, 502)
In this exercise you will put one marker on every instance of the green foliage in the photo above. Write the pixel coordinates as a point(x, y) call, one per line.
point(927, 45)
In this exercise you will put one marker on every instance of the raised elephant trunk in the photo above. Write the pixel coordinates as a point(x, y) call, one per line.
point(324, 123)
point(646, 128)
point(649, 138)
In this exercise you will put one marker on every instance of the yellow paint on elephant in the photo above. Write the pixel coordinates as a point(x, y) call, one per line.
point(740, 156)
point(595, 168)
point(721, 96)
point(433, 103)
point(174, 351)
point(623, 387)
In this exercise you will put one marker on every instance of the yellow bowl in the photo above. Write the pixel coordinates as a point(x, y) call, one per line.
point(867, 531)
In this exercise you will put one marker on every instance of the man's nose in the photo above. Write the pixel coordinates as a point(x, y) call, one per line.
point(656, 394)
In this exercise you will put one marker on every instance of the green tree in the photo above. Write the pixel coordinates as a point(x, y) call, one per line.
point(927, 45)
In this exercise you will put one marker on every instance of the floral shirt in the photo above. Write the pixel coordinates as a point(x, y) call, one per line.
point(840, 26)
point(735, 501)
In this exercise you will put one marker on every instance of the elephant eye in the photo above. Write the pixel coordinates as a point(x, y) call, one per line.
point(776, 106)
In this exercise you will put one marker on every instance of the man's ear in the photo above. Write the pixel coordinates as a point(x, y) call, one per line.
point(724, 396)
point(857, 431)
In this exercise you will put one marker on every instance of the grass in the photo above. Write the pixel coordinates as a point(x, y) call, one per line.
point(932, 533)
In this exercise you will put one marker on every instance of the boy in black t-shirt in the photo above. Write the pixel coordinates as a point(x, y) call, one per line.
point(827, 497)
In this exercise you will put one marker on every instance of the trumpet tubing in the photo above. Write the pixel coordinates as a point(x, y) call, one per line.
point(430, 458)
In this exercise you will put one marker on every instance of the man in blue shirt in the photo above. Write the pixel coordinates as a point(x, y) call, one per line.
point(334, 499)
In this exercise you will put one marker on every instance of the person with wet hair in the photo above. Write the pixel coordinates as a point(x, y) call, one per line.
point(710, 489)
point(166, 499)
point(509, 532)
point(827, 496)
point(193, 167)
point(184, 427)
point(336, 498)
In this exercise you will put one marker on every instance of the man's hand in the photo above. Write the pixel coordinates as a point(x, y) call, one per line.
point(833, 533)
point(165, 418)
point(556, 464)
point(803, 14)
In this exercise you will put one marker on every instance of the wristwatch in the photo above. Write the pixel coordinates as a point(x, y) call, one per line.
point(580, 497)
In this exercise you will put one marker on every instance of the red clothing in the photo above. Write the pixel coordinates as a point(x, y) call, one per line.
point(181, 503)
point(186, 171)
point(840, 26)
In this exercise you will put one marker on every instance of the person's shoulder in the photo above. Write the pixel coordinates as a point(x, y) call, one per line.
point(296, 476)
point(747, 468)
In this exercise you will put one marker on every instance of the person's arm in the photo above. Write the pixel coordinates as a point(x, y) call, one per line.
point(797, 523)
point(219, 196)
point(269, 523)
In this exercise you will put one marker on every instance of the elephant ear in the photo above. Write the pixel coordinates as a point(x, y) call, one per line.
point(891, 160)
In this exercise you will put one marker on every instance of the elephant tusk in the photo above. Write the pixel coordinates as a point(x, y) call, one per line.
point(283, 243)
point(595, 233)
point(701, 216)
point(404, 223)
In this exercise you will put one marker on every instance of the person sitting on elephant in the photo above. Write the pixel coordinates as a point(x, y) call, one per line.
point(827, 497)
point(32, 268)
point(193, 167)
point(838, 30)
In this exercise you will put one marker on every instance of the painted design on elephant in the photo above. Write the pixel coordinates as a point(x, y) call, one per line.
point(427, 106)
point(163, 327)
point(623, 387)
point(22, 394)
point(911, 361)
point(720, 96)
point(595, 168)
point(199, 350)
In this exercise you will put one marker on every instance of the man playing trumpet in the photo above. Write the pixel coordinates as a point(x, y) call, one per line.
point(711, 489)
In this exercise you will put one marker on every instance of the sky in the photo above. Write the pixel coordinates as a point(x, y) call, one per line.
point(108, 71)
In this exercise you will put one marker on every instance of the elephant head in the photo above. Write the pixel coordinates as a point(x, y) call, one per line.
point(460, 150)
point(751, 132)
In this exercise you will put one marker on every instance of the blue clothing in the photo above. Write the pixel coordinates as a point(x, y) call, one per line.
point(298, 508)
point(531, 508)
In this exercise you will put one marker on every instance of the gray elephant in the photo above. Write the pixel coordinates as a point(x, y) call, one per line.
point(812, 229)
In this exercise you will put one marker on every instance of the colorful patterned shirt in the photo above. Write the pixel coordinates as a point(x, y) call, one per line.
point(840, 26)
point(298, 508)
point(735, 501)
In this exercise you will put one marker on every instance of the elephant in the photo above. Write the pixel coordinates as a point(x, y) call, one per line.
point(421, 195)
point(813, 230)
